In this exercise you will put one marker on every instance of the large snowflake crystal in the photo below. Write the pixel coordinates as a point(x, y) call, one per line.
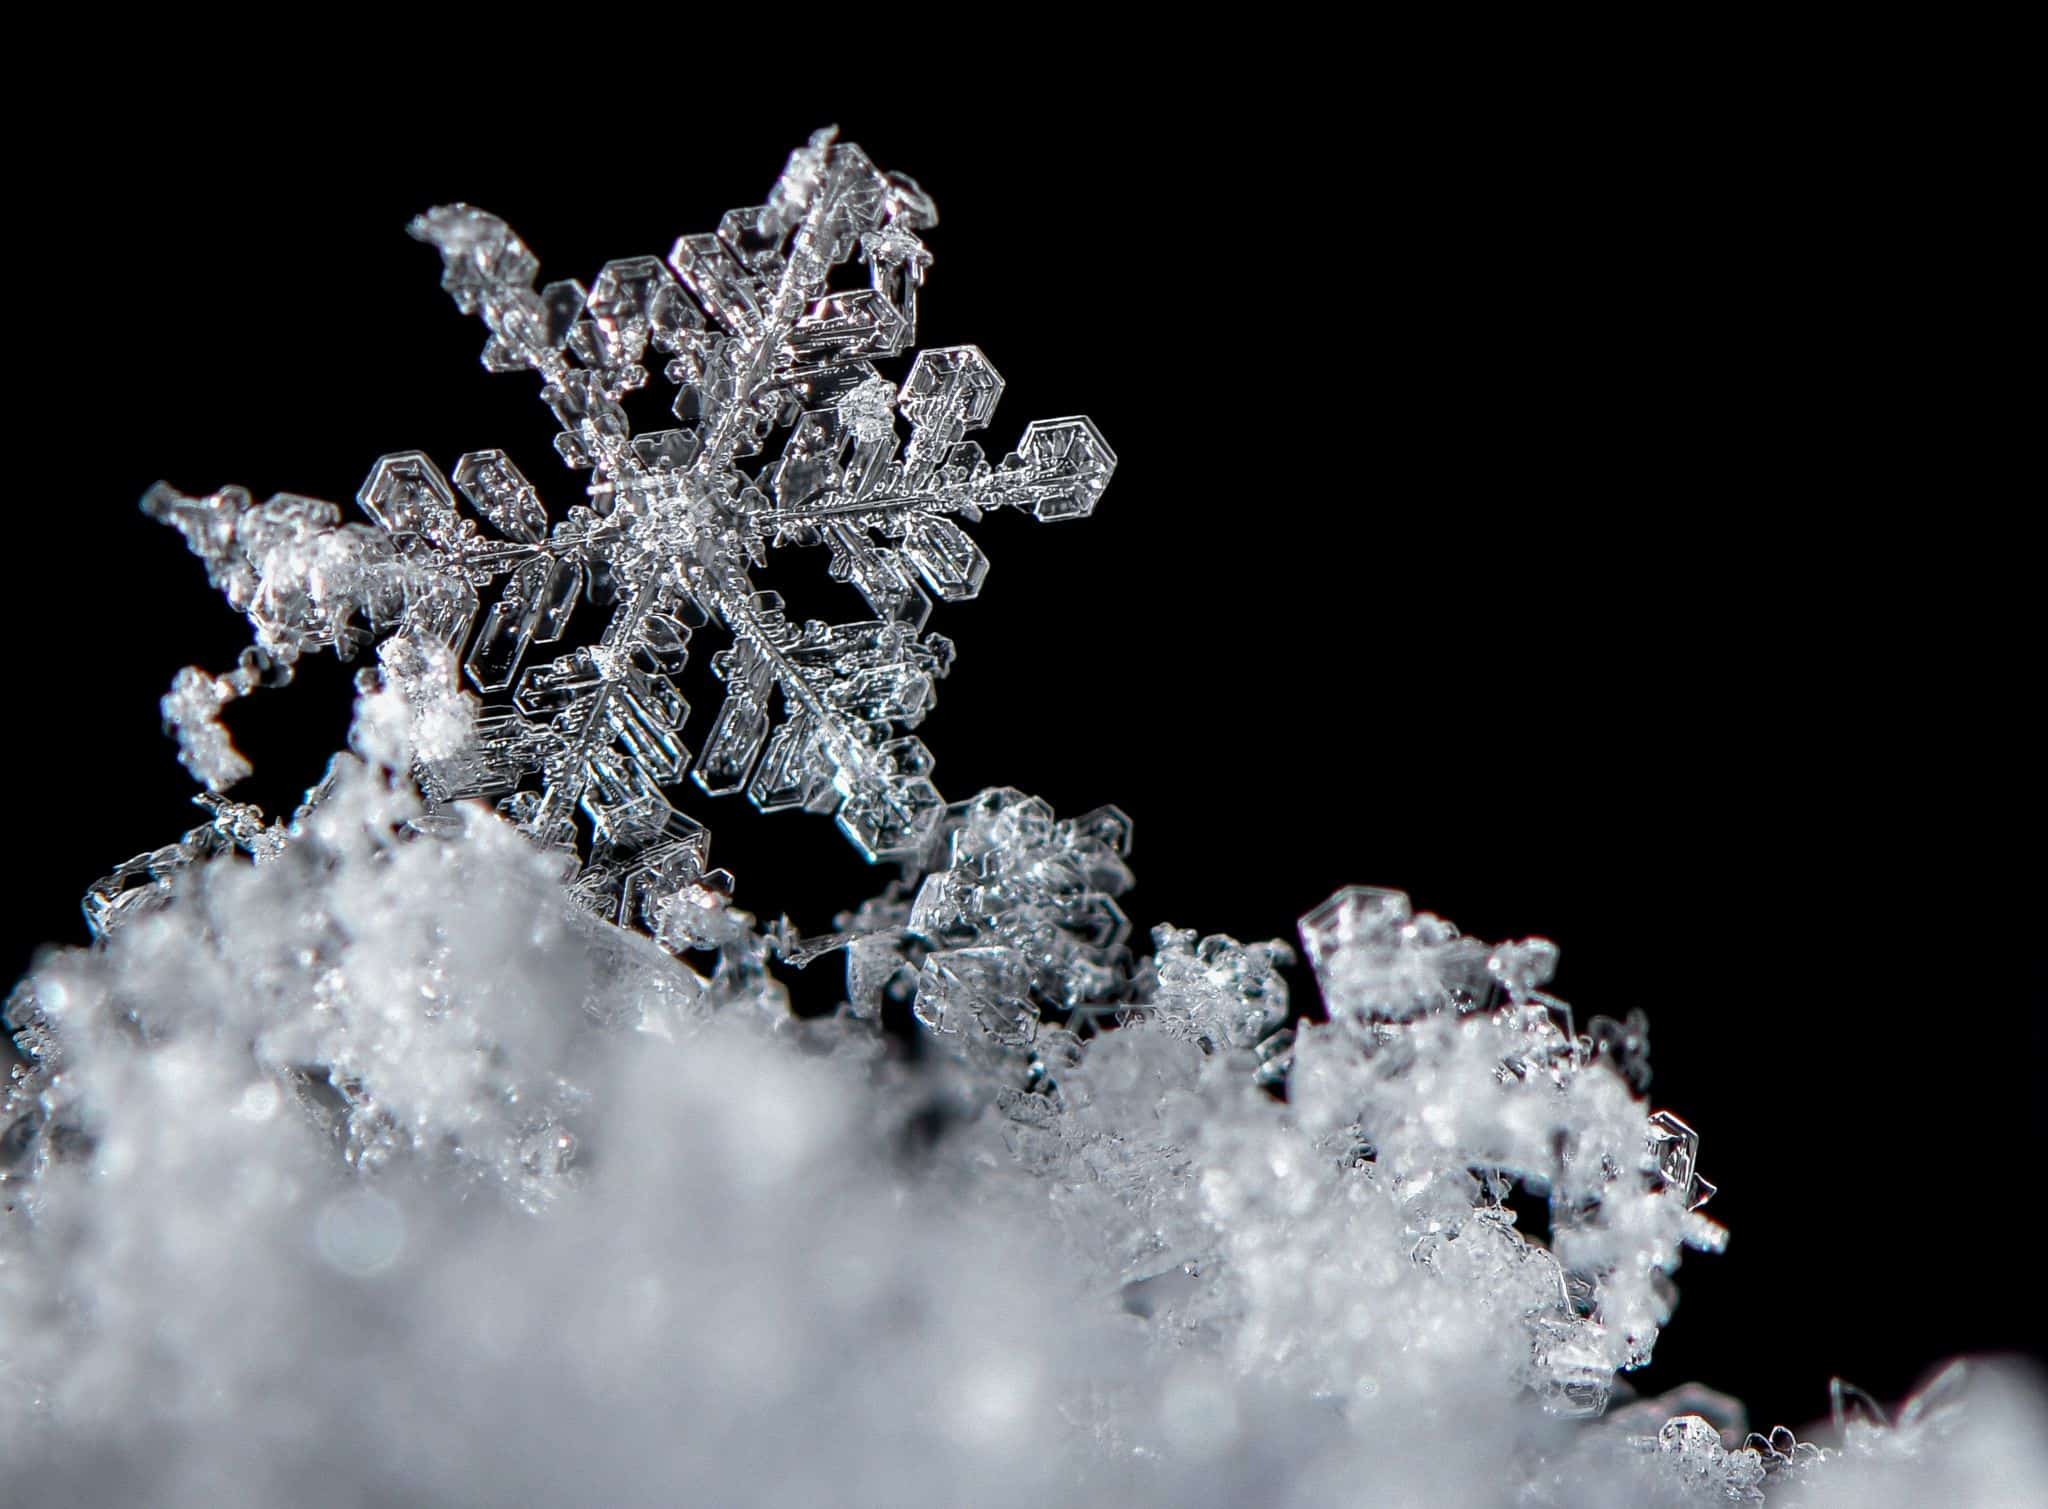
point(757, 343)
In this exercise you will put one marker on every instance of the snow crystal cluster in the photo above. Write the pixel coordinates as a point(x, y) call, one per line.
point(453, 1140)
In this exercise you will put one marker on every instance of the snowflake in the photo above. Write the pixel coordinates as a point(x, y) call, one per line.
point(815, 715)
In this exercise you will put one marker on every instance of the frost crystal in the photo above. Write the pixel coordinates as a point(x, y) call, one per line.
point(758, 344)
point(453, 1142)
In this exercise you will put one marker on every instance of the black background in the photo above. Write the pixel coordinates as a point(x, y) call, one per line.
point(1584, 505)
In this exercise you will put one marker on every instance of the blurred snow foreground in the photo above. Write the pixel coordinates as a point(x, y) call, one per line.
point(453, 1142)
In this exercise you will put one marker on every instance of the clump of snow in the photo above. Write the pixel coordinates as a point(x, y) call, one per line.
point(373, 1168)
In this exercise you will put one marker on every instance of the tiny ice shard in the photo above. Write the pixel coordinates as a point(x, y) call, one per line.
point(1377, 959)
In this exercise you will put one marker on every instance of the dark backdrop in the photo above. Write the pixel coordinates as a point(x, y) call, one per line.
point(1580, 508)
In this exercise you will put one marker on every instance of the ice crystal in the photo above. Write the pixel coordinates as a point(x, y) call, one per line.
point(430, 1149)
point(758, 345)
